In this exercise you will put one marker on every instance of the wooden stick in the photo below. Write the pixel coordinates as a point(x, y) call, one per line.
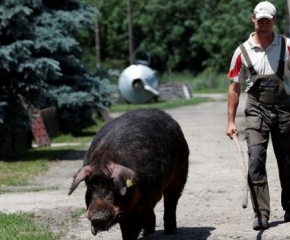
point(243, 165)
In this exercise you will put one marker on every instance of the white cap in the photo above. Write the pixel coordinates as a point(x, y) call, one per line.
point(265, 10)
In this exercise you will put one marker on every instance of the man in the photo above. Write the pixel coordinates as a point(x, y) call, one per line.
point(262, 62)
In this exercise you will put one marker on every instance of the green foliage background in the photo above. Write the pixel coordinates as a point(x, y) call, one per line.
point(47, 50)
point(180, 35)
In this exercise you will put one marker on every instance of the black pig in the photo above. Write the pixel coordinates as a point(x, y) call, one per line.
point(134, 160)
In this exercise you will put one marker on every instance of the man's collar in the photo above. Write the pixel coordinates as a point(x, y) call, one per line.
point(252, 44)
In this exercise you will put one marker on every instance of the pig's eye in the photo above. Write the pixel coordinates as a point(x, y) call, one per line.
point(92, 187)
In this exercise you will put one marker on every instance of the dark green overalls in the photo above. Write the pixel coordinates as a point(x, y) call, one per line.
point(267, 112)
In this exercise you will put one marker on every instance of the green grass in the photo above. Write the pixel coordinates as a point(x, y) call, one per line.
point(18, 173)
point(161, 105)
point(20, 226)
point(75, 215)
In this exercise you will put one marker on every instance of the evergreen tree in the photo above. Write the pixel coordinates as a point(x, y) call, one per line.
point(41, 64)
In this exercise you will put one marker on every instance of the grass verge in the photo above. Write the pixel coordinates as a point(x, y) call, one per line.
point(20, 226)
point(161, 105)
point(18, 172)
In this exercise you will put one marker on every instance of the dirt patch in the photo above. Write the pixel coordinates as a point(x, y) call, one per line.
point(210, 207)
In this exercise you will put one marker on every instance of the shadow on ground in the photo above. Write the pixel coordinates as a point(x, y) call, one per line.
point(73, 155)
point(272, 225)
point(196, 233)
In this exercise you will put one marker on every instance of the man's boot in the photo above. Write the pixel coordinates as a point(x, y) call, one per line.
point(261, 204)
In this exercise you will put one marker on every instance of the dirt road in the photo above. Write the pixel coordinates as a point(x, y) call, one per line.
point(210, 207)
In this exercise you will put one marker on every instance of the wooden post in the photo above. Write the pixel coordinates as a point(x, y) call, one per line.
point(287, 18)
point(130, 30)
point(97, 39)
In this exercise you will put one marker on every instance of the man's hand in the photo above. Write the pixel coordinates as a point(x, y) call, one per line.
point(232, 129)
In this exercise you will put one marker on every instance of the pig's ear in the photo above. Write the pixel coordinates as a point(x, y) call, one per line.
point(80, 176)
point(123, 177)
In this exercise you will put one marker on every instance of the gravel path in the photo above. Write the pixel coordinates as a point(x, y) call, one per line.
point(210, 207)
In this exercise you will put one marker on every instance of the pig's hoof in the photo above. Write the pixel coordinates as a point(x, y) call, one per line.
point(148, 232)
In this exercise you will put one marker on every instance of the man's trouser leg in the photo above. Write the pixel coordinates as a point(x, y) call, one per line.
point(281, 145)
point(257, 176)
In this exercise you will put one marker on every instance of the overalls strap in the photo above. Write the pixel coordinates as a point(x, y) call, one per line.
point(280, 70)
point(248, 60)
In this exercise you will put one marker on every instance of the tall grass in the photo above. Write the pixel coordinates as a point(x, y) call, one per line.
point(205, 82)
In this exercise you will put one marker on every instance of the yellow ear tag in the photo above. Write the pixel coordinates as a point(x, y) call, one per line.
point(129, 183)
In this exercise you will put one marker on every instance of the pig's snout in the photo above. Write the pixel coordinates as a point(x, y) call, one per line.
point(99, 221)
point(102, 220)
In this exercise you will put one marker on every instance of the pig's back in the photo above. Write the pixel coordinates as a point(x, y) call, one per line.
point(149, 141)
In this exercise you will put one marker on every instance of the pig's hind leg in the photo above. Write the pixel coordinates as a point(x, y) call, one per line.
point(171, 196)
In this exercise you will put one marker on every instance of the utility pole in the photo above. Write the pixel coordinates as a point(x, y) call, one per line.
point(130, 30)
point(287, 16)
point(97, 39)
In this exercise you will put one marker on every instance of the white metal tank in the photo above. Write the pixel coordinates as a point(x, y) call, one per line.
point(138, 83)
